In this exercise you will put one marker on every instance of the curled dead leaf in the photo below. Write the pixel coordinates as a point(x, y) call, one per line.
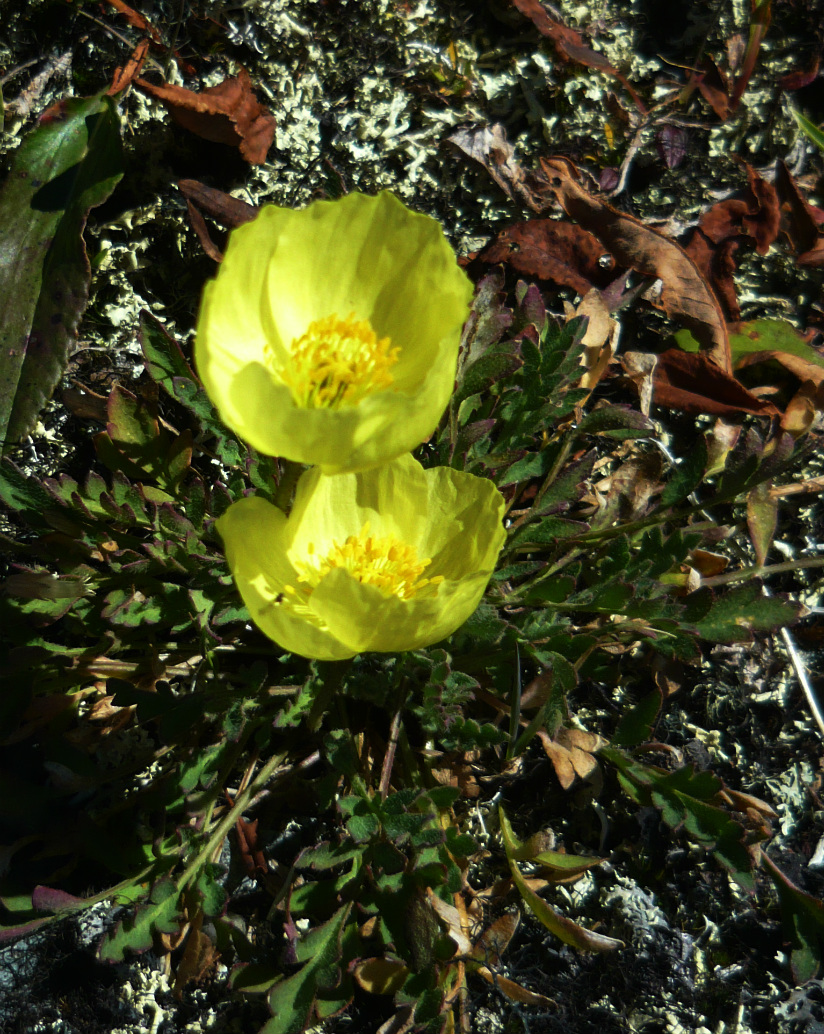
point(570, 46)
point(690, 382)
point(489, 146)
point(685, 294)
point(228, 113)
point(555, 250)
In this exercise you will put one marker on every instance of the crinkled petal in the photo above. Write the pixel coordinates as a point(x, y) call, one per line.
point(254, 535)
point(367, 256)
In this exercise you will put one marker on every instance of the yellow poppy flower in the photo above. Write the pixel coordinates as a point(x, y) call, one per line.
point(388, 559)
point(330, 335)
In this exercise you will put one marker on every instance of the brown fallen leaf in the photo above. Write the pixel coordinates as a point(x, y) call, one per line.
point(555, 250)
point(570, 45)
point(599, 339)
point(226, 210)
point(755, 215)
point(123, 76)
point(225, 114)
point(685, 294)
point(799, 219)
point(135, 19)
point(489, 146)
point(571, 753)
point(713, 85)
point(753, 218)
point(692, 383)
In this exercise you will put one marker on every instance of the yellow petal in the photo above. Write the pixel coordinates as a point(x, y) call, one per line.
point(389, 559)
point(289, 276)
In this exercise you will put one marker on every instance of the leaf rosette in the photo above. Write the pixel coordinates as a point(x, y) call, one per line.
point(330, 335)
point(389, 559)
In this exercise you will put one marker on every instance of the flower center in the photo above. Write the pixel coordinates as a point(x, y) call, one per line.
point(388, 563)
point(337, 363)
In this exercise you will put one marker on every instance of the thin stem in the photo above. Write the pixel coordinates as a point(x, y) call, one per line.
point(229, 819)
point(755, 571)
point(391, 748)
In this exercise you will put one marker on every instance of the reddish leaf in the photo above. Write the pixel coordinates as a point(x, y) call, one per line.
point(123, 76)
point(135, 19)
point(717, 265)
point(759, 24)
point(712, 246)
point(692, 383)
point(685, 294)
point(713, 87)
point(570, 45)
point(552, 249)
point(799, 219)
point(802, 77)
point(223, 208)
point(225, 114)
point(672, 143)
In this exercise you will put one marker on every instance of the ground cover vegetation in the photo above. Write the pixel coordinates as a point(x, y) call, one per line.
point(593, 799)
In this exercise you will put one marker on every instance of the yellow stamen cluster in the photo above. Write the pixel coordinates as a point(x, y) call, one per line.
point(338, 362)
point(388, 563)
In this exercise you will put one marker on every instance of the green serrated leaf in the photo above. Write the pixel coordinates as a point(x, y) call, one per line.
point(293, 1001)
point(161, 354)
point(637, 723)
point(159, 913)
point(616, 422)
point(734, 617)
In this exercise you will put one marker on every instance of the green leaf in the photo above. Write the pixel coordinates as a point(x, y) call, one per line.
point(688, 799)
point(159, 913)
point(687, 476)
point(636, 725)
point(809, 129)
point(772, 335)
point(564, 929)
point(162, 355)
point(69, 163)
point(734, 617)
point(293, 1001)
point(616, 422)
point(803, 919)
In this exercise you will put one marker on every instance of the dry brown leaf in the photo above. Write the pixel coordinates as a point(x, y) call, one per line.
point(799, 219)
point(685, 294)
point(599, 338)
point(571, 753)
point(803, 409)
point(714, 87)
point(402, 1022)
point(713, 244)
point(135, 19)
point(690, 382)
point(228, 113)
point(489, 146)
point(515, 992)
point(640, 368)
point(570, 45)
point(552, 249)
point(123, 76)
